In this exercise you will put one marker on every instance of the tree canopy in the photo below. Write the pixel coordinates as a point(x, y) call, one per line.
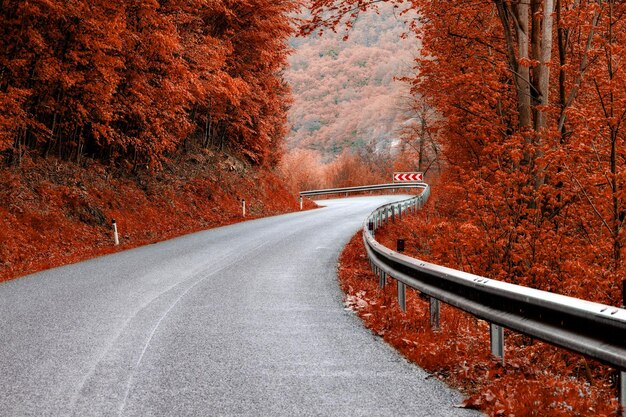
point(531, 100)
point(132, 81)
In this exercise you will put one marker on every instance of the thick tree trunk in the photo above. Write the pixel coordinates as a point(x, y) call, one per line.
point(545, 57)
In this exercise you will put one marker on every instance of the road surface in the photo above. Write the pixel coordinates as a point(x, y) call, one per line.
point(244, 320)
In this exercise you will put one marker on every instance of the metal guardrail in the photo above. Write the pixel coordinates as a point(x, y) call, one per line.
point(377, 187)
point(592, 329)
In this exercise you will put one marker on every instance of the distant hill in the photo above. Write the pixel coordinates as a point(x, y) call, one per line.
point(345, 92)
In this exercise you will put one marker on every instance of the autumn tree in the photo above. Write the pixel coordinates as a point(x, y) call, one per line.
point(419, 146)
point(303, 170)
point(531, 115)
point(133, 82)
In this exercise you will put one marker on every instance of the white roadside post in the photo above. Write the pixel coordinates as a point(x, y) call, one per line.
point(115, 236)
point(243, 207)
point(300, 202)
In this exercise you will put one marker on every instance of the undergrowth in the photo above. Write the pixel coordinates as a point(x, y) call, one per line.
point(536, 379)
point(54, 212)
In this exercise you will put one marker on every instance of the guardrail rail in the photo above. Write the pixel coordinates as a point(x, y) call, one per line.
point(365, 188)
point(592, 329)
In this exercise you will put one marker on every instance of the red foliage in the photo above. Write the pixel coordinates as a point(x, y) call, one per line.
point(304, 170)
point(57, 212)
point(132, 81)
point(529, 108)
point(536, 380)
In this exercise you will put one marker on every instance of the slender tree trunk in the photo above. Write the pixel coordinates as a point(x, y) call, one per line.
point(545, 57)
point(422, 138)
point(562, 42)
point(222, 137)
point(81, 145)
point(207, 128)
point(614, 129)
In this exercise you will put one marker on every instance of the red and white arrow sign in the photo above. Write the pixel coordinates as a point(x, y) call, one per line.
point(407, 176)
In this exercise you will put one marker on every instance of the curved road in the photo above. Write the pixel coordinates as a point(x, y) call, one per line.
point(241, 320)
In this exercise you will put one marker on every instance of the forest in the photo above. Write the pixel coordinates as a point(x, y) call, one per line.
point(347, 93)
point(162, 114)
point(354, 119)
point(531, 103)
point(526, 105)
point(132, 82)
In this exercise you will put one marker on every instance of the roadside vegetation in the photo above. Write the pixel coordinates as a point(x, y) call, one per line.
point(160, 115)
point(536, 379)
point(527, 111)
point(55, 212)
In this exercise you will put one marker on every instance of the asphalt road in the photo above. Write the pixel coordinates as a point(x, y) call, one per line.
point(244, 320)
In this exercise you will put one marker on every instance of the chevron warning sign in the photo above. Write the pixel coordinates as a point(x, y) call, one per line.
point(408, 176)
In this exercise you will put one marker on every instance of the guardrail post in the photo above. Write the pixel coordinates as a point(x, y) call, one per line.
point(400, 211)
point(382, 279)
point(497, 341)
point(393, 214)
point(622, 391)
point(433, 305)
point(402, 295)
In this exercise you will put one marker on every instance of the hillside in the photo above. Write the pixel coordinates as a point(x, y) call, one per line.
point(161, 115)
point(55, 212)
point(345, 92)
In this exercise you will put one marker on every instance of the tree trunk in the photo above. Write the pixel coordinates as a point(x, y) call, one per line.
point(543, 84)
